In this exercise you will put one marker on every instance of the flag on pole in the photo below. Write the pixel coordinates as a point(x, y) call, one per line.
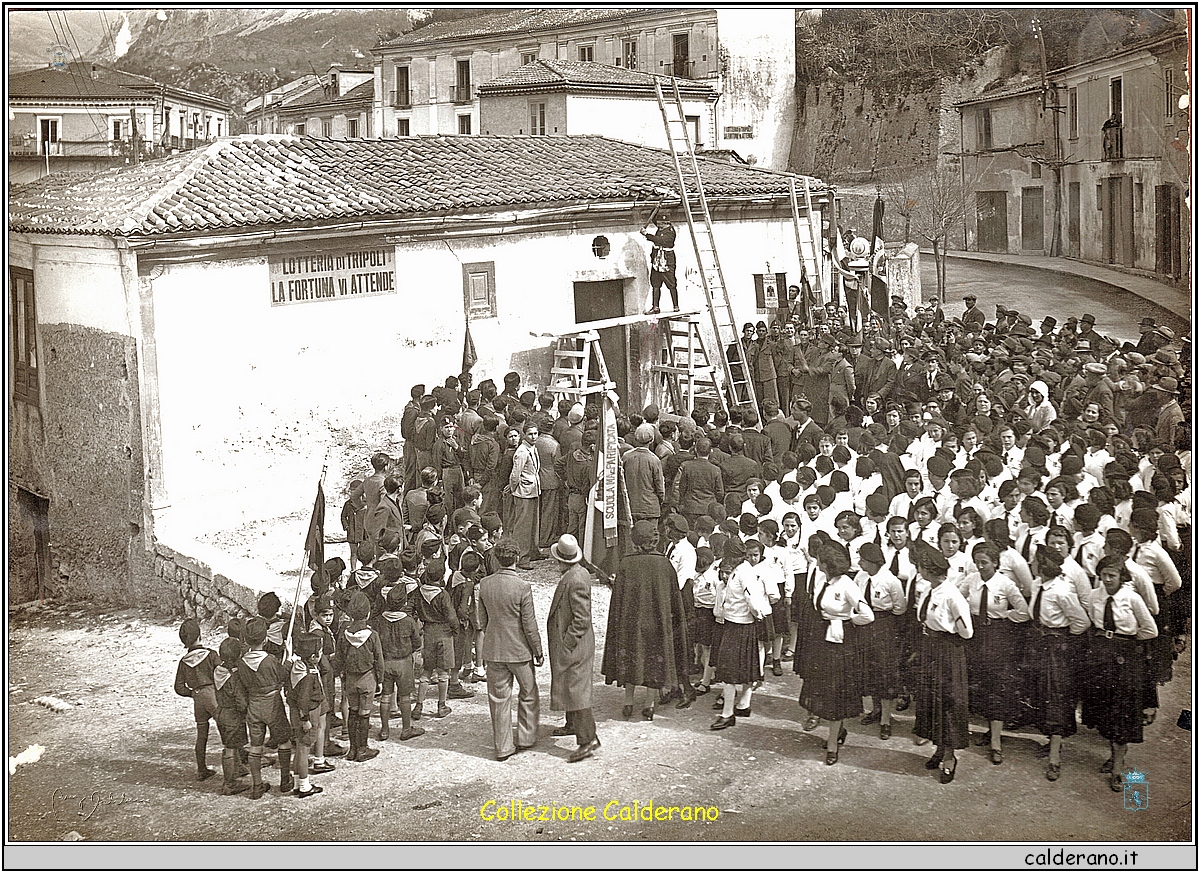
point(469, 355)
point(879, 288)
point(314, 545)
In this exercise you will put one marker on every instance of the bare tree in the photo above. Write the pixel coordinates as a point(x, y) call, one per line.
point(932, 201)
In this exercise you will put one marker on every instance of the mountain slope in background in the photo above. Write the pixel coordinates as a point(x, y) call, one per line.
point(233, 54)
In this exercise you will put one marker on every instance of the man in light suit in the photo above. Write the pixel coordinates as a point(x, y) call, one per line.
point(512, 647)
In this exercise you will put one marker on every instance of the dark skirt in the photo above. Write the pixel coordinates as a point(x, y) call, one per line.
point(1112, 697)
point(779, 615)
point(942, 716)
point(908, 640)
point(993, 683)
point(832, 687)
point(878, 646)
point(810, 632)
point(1051, 667)
point(737, 659)
point(689, 610)
point(1160, 651)
point(705, 624)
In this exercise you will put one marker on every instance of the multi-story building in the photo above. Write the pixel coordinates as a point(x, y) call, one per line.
point(83, 117)
point(1092, 165)
point(336, 106)
point(427, 81)
point(556, 98)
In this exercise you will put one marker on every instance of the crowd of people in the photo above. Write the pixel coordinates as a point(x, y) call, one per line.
point(972, 518)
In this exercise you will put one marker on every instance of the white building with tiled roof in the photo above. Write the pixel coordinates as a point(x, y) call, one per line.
point(557, 98)
point(429, 80)
point(84, 117)
point(192, 336)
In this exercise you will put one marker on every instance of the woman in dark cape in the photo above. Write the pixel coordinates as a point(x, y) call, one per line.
point(646, 642)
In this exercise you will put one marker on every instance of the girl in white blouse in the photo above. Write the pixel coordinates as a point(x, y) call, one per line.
point(945, 622)
point(997, 607)
point(1112, 699)
point(832, 689)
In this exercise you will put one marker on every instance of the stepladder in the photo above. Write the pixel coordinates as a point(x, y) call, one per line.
point(578, 369)
point(685, 374)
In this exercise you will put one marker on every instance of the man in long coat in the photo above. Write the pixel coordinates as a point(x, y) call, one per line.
point(571, 645)
point(646, 643)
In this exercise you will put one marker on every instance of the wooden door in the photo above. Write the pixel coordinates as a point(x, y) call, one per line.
point(1033, 232)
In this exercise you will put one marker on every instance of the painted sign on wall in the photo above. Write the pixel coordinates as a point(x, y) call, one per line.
point(331, 275)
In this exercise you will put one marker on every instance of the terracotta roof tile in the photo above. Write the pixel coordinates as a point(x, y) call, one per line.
point(567, 75)
point(254, 181)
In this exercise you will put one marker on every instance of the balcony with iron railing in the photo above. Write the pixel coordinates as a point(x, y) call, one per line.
point(461, 94)
point(402, 99)
point(28, 146)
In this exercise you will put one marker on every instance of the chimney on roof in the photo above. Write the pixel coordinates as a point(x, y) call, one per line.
point(93, 71)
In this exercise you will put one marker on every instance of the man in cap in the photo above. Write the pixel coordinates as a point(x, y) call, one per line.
point(972, 317)
point(1099, 389)
point(662, 261)
point(571, 645)
point(1147, 344)
point(644, 480)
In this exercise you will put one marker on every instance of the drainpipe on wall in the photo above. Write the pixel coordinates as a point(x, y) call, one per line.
point(962, 173)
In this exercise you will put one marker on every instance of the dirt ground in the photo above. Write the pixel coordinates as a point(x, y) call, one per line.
point(118, 765)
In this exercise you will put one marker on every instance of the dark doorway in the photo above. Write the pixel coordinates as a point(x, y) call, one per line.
point(1116, 220)
point(991, 216)
point(1033, 233)
point(597, 301)
point(1073, 220)
point(1168, 229)
point(679, 56)
point(30, 546)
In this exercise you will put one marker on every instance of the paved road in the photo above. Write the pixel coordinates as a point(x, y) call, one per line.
point(1041, 293)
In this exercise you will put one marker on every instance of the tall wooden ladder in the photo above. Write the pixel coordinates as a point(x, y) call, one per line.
point(738, 380)
point(685, 372)
point(578, 369)
point(808, 235)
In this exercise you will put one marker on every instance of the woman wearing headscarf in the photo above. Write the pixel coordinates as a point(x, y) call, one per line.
point(646, 642)
point(1040, 410)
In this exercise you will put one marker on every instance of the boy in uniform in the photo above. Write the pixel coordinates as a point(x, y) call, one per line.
point(398, 638)
point(194, 679)
point(231, 716)
point(440, 624)
point(260, 678)
point(306, 700)
point(268, 611)
point(361, 656)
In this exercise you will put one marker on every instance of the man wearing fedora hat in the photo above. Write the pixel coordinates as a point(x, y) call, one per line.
point(1170, 415)
point(571, 645)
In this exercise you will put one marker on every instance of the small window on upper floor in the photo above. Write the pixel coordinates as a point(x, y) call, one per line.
point(587, 52)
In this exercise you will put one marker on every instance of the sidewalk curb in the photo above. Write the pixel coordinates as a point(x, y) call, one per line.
point(1175, 301)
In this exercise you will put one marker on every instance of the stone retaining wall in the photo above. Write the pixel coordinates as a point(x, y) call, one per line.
point(203, 579)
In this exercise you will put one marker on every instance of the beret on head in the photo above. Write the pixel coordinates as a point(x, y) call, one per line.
point(871, 552)
point(1035, 456)
point(933, 560)
point(938, 466)
point(256, 630)
point(877, 503)
point(308, 645)
point(644, 533)
point(358, 607)
point(1071, 464)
